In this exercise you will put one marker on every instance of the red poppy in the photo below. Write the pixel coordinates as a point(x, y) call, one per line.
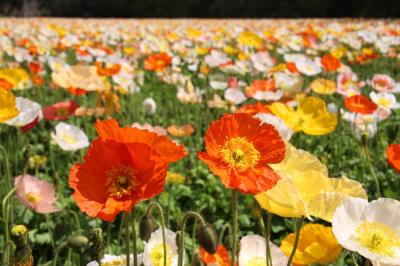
point(29, 126)
point(164, 148)
point(260, 85)
point(220, 258)
point(292, 67)
point(157, 62)
point(393, 156)
point(107, 71)
point(37, 80)
point(114, 177)
point(34, 67)
point(238, 150)
point(330, 62)
point(254, 109)
point(360, 104)
point(60, 111)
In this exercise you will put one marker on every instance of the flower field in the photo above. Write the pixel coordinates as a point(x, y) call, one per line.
point(199, 142)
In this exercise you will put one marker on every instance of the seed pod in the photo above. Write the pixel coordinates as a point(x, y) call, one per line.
point(147, 226)
point(78, 241)
point(207, 238)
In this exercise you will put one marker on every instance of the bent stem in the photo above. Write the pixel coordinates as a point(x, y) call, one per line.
point(160, 210)
point(127, 238)
point(299, 222)
point(188, 215)
point(234, 225)
point(267, 235)
point(371, 169)
point(5, 212)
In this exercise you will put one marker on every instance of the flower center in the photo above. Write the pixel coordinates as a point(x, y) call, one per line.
point(378, 238)
point(115, 262)
point(256, 261)
point(121, 181)
point(240, 154)
point(157, 255)
point(68, 138)
point(384, 102)
point(32, 198)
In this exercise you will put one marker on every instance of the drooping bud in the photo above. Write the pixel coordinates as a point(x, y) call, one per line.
point(147, 226)
point(207, 238)
point(196, 261)
point(96, 244)
point(23, 252)
point(78, 241)
point(178, 239)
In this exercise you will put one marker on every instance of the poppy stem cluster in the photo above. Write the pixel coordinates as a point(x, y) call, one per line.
point(299, 222)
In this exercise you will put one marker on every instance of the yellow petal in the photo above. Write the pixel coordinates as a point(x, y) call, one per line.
point(8, 109)
point(310, 183)
point(322, 124)
point(323, 86)
point(311, 107)
point(283, 199)
point(287, 114)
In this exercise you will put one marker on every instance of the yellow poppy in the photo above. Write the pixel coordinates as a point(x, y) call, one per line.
point(311, 116)
point(250, 39)
point(317, 245)
point(17, 77)
point(8, 108)
point(323, 86)
point(305, 188)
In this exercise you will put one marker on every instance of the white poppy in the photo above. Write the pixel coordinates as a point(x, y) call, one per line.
point(112, 260)
point(288, 82)
point(150, 106)
point(262, 61)
point(268, 95)
point(370, 229)
point(234, 96)
point(29, 111)
point(154, 251)
point(308, 67)
point(285, 131)
point(384, 100)
point(252, 252)
point(218, 82)
point(69, 137)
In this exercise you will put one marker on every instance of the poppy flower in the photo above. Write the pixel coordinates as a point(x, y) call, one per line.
point(157, 62)
point(69, 137)
point(116, 176)
point(29, 111)
point(330, 62)
point(5, 84)
point(60, 111)
point(153, 254)
point(317, 245)
point(163, 147)
point(239, 148)
point(35, 194)
point(34, 67)
point(220, 258)
point(181, 131)
point(311, 116)
point(107, 71)
point(253, 109)
point(393, 156)
point(8, 106)
point(360, 104)
point(323, 86)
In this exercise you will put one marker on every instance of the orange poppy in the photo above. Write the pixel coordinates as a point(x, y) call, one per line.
point(360, 104)
point(220, 258)
point(77, 91)
point(116, 176)
point(157, 62)
point(238, 150)
point(163, 148)
point(254, 109)
point(292, 67)
point(103, 70)
point(260, 85)
point(393, 156)
point(330, 62)
point(181, 131)
point(34, 67)
point(37, 80)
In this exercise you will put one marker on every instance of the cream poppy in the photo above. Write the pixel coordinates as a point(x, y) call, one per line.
point(154, 252)
point(29, 111)
point(69, 137)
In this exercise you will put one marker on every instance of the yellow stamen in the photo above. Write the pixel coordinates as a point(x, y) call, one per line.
point(256, 261)
point(121, 181)
point(32, 198)
point(68, 138)
point(240, 154)
point(378, 238)
point(157, 255)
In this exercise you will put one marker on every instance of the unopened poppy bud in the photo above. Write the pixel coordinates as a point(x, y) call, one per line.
point(78, 241)
point(207, 238)
point(147, 226)
point(364, 138)
point(97, 247)
point(23, 252)
point(178, 239)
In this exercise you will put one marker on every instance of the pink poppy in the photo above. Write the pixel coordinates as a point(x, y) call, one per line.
point(60, 111)
point(36, 194)
point(384, 83)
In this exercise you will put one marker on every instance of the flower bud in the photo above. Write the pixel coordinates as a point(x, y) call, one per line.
point(147, 226)
point(78, 241)
point(96, 244)
point(196, 261)
point(23, 252)
point(207, 238)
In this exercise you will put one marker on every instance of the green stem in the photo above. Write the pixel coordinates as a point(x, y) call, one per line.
point(234, 225)
point(296, 240)
point(5, 211)
point(127, 238)
point(160, 210)
point(222, 234)
point(354, 259)
point(169, 190)
point(267, 235)
point(371, 169)
point(182, 231)
point(134, 245)
point(57, 252)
